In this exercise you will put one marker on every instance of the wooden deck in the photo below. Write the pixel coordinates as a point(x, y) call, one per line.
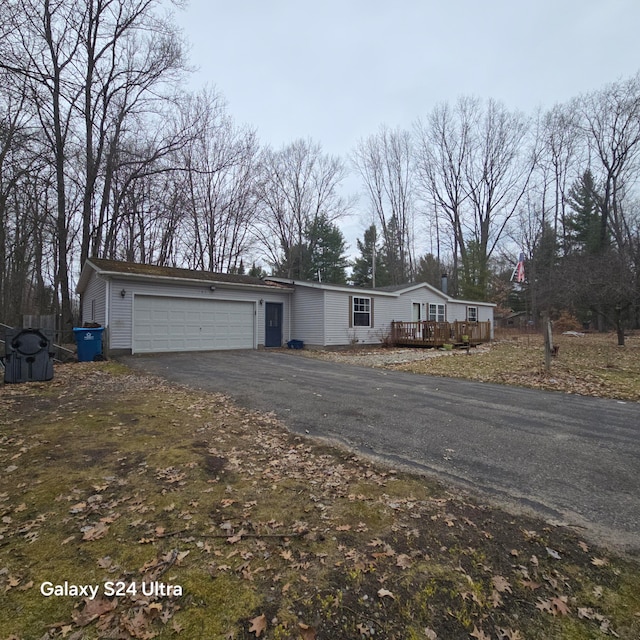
point(427, 333)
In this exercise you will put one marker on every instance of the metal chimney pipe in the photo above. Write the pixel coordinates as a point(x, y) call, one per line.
point(443, 285)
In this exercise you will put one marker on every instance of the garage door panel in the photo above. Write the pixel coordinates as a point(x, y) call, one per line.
point(190, 324)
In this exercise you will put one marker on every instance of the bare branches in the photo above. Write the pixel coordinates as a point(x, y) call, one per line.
point(473, 168)
point(384, 162)
point(610, 122)
point(298, 186)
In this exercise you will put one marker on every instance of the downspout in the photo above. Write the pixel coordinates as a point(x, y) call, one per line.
point(107, 311)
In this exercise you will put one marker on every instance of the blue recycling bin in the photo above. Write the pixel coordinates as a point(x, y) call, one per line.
point(89, 341)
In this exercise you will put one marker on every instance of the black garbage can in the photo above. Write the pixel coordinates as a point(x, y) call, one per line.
point(28, 355)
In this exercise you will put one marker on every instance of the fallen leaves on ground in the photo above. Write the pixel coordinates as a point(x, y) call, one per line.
point(258, 625)
point(591, 365)
point(270, 534)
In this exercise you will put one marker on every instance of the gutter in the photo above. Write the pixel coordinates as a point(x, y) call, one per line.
point(335, 287)
point(194, 281)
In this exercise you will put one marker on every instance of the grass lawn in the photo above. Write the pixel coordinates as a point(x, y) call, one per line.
point(160, 512)
point(592, 365)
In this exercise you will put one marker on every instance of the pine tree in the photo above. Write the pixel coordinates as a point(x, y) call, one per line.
point(430, 270)
point(257, 271)
point(474, 276)
point(325, 254)
point(321, 255)
point(362, 274)
point(584, 226)
point(395, 255)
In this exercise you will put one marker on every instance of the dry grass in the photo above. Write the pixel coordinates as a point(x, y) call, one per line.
point(110, 476)
point(592, 365)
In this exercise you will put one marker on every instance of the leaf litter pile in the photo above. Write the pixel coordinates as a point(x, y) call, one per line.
point(131, 508)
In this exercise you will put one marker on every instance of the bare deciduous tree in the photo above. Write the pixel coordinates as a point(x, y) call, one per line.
point(610, 120)
point(298, 185)
point(218, 184)
point(384, 162)
point(130, 60)
point(473, 166)
point(442, 149)
point(89, 65)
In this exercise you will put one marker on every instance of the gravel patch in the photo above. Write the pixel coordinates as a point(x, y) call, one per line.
point(379, 357)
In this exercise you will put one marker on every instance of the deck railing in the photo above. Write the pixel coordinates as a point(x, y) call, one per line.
point(427, 333)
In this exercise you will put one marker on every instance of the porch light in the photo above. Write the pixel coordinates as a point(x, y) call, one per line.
point(123, 293)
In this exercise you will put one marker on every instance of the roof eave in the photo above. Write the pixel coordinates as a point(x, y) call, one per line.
point(172, 279)
point(324, 286)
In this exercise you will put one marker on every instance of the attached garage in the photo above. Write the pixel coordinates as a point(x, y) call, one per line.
point(151, 309)
point(162, 323)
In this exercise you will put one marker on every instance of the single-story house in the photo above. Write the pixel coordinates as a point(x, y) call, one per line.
point(146, 309)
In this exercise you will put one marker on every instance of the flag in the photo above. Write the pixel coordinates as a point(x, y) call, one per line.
point(518, 272)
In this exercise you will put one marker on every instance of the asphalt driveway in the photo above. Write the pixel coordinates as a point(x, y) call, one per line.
point(573, 459)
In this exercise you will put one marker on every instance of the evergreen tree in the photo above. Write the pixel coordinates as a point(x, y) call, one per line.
point(321, 255)
point(394, 254)
point(293, 262)
point(475, 273)
point(362, 274)
point(584, 226)
point(545, 280)
point(430, 271)
point(257, 271)
point(238, 270)
point(325, 255)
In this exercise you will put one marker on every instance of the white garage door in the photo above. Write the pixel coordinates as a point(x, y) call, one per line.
point(187, 324)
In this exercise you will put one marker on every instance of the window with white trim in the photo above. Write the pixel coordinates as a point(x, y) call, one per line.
point(436, 312)
point(472, 314)
point(361, 312)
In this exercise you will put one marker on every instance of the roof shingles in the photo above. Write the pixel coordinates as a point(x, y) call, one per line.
point(135, 269)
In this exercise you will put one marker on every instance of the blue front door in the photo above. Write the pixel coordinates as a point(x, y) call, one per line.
point(273, 324)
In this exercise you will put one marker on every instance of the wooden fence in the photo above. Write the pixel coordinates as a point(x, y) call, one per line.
point(427, 333)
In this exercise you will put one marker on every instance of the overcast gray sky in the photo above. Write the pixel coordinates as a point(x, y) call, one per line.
point(335, 70)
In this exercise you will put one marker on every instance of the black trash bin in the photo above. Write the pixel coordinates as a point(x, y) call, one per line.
point(28, 355)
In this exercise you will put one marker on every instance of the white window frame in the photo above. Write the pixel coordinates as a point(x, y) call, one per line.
point(472, 311)
point(437, 312)
point(361, 307)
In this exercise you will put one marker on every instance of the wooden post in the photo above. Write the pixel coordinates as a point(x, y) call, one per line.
point(548, 341)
